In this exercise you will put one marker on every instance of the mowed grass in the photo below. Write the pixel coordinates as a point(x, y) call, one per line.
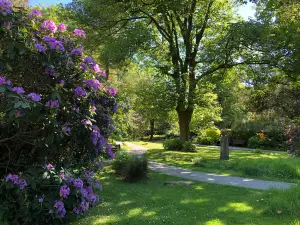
point(270, 166)
point(152, 202)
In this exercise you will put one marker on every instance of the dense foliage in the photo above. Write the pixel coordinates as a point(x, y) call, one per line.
point(55, 109)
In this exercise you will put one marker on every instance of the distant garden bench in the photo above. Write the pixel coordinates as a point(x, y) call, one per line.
point(116, 148)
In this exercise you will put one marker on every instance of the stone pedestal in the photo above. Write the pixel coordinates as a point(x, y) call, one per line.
point(224, 153)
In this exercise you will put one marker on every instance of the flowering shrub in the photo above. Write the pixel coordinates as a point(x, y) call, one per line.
point(55, 107)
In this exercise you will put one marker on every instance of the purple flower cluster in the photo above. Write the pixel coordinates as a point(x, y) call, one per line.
point(35, 13)
point(83, 67)
point(4, 81)
point(79, 92)
point(41, 199)
point(49, 166)
point(89, 60)
point(92, 83)
point(79, 33)
point(40, 47)
point(61, 27)
point(49, 25)
point(7, 25)
point(111, 91)
point(18, 90)
point(78, 183)
point(109, 151)
point(54, 44)
point(52, 104)
point(60, 210)
point(50, 71)
point(34, 97)
point(5, 7)
point(86, 122)
point(77, 52)
point(64, 191)
point(66, 129)
point(95, 134)
point(16, 180)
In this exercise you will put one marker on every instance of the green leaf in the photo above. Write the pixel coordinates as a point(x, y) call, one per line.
point(2, 89)
point(9, 68)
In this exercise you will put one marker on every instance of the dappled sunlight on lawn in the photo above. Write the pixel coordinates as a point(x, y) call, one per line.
point(152, 202)
point(236, 206)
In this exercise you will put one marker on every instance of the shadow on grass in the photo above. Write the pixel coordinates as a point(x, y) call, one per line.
point(152, 202)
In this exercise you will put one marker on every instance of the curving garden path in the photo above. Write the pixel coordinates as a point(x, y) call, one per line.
point(209, 177)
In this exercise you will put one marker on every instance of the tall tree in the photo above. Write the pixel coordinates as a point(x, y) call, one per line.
point(193, 37)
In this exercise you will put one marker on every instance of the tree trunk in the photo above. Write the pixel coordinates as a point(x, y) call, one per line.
point(151, 129)
point(184, 124)
point(224, 154)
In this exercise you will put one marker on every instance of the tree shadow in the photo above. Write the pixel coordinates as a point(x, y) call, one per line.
point(152, 202)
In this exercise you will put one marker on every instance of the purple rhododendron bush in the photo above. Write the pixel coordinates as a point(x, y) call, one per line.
point(55, 117)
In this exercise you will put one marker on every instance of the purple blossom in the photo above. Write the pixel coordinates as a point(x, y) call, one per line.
point(50, 71)
point(79, 33)
point(52, 104)
point(60, 209)
point(115, 109)
point(49, 166)
point(57, 45)
point(109, 151)
point(22, 183)
point(40, 47)
point(77, 52)
point(18, 90)
point(35, 13)
point(66, 129)
point(62, 83)
point(79, 92)
point(99, 165)
point(5, 7)
point(89, 60)
point(7, 25)
point(93, 199)
point(92, 83)
point(75, 108)
point(4, 81)
point(84, 206)
point(61, 27)
point(95, 136)
point(49, 25)
point(88, 174)
point(76, 210)
point(35, 97)
point(96, 68)
point(41, 199)
point(64, 191)
point(49, 40)
point(111, 91)
point(97, 185)
point(83, 67)
point(62, 175)
point(84, 192)
point(86, 122)
point(18, 114)
point(78, 183)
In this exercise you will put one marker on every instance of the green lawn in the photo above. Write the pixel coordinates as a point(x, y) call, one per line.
point(153, 203)
point(269, 166)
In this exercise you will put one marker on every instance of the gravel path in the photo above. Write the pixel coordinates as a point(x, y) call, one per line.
point(209, 177)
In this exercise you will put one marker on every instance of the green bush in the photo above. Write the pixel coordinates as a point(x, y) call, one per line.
point(200, 161)
point(255, 142)
point(258, 151)
point(283, 202)
point(209, 136)
point(136, 169)
point(173, 144)
point(188, 146)
point(132, 168)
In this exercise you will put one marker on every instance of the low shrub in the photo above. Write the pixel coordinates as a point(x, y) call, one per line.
point(132, 168)
point(258, 151)
point(210, 136)
point(255, 142)
point(283, 202)
point(188, 146)
point(173, 144)
point(252, 171)
point(120, 161)
point(200, 161)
